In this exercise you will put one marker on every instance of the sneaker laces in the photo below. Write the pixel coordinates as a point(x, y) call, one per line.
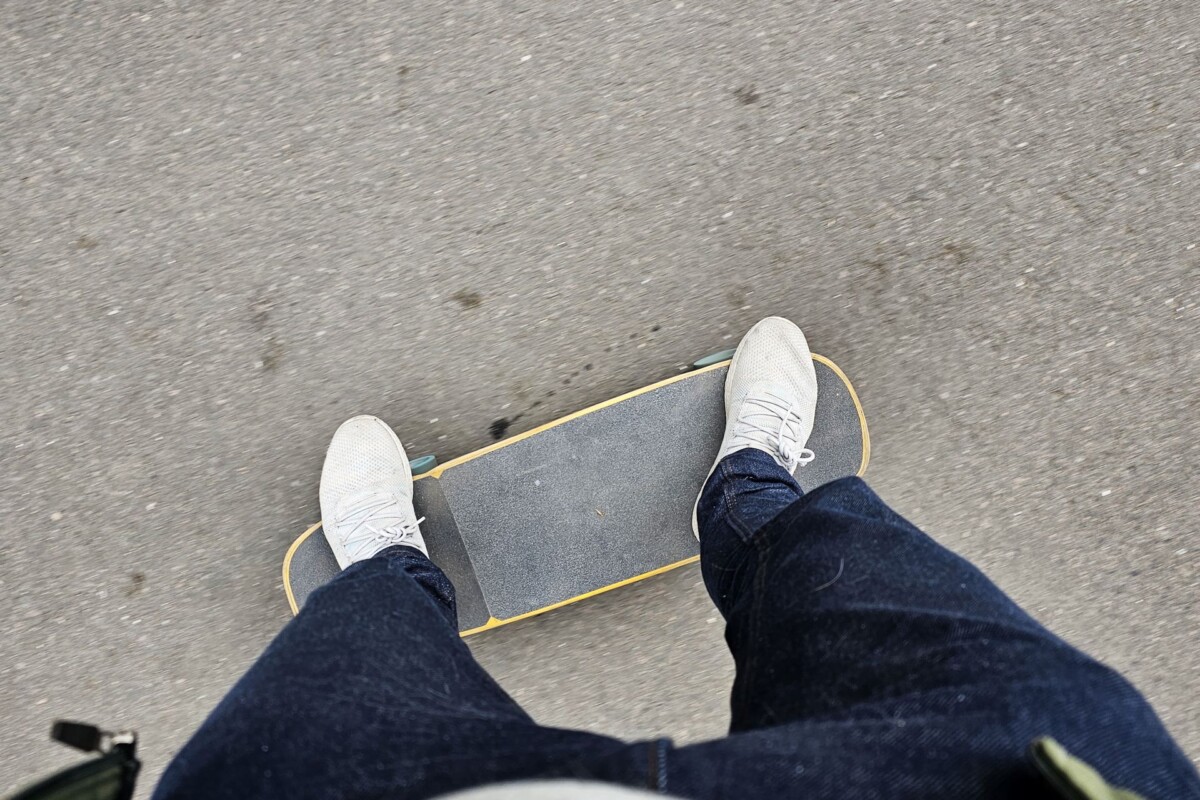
point(376, 521)
point(768, 421)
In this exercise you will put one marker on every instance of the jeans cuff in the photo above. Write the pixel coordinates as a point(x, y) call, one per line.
point(429, 576)
point(746, 490)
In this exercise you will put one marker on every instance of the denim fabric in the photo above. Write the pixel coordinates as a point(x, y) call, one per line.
point(371, 692)
point(871, 663)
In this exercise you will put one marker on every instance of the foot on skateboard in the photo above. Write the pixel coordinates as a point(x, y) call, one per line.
point(770, 398)
point(367, 492)
point(595, 500)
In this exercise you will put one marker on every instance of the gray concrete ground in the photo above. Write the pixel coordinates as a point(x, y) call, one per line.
point(226, 226)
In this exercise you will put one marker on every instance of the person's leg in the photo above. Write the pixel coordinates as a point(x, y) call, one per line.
point(370, 691)
point(869, 656)
point(833, 600)
point(851, 627)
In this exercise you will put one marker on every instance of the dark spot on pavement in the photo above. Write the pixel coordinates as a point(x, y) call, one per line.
point(959, 253)
point(260, 311)
point(656, 329)
point(737, 295)
point(86, 243)
point(137, 581)
point(468, 299)
point(747, 95)
point(877, 266)
point(401, 84)
point(587, 367)
point(499, 428)
point(272, 355)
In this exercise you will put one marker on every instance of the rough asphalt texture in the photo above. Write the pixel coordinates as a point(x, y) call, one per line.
point(227, 226)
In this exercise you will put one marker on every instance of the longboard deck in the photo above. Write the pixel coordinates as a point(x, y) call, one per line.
point(595, 500)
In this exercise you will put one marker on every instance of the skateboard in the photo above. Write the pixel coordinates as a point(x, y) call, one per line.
point(593, 501)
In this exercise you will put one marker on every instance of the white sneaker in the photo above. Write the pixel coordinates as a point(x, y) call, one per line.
point(366, 492)
point(770, 397)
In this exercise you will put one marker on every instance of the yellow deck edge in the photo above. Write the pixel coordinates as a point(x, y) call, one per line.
point(287, 566)
point(491, 448)
point(862, 415)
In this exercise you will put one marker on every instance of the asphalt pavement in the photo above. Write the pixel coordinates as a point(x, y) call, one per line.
point(225, 227)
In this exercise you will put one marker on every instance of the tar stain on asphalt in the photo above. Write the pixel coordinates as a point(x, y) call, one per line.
point(468, 299)
point(747, 95)
point(136, 582)
point(272, 355)
point(499, 428)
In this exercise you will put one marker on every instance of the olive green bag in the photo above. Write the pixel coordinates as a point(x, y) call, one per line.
point(109, 776)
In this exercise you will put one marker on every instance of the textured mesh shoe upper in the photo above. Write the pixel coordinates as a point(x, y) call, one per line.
point(366, 492)
point(770, 397)
point(771, 394)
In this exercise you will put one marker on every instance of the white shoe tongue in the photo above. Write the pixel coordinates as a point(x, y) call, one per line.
point(380, 495)
point(774, 393)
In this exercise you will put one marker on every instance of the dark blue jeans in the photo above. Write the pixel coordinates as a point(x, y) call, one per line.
point(871, 663)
